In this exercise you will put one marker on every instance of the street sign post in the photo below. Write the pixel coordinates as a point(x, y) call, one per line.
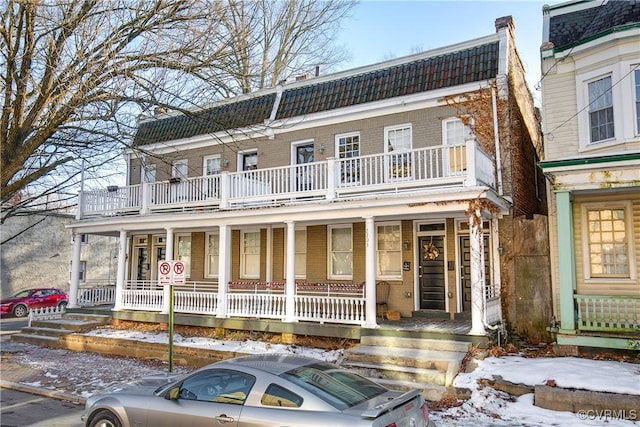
point(171, 272)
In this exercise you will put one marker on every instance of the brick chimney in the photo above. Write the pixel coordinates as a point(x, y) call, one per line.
point(505, 22)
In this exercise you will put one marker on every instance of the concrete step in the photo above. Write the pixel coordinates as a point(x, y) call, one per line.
point(417, 343)
point(67, 324)
point(406, 357)
point(41, 340)
point(102, 318)
point(49, 332)
point(430, 392)
point(398, 373)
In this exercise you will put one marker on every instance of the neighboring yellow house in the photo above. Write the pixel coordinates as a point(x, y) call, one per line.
point(591, 105)
point(296, 203)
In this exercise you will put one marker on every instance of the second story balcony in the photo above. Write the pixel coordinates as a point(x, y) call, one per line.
point(331, 180)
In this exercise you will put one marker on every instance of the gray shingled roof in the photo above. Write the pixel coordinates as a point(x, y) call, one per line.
point(579, 26)
point(456, 68)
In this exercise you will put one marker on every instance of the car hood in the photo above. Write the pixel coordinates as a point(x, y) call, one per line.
point(145, 385)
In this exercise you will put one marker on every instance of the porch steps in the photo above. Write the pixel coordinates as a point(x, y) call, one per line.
point(403, 363)
point(48, 332)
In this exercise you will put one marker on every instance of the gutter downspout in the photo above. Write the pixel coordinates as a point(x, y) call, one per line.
point(496, 137)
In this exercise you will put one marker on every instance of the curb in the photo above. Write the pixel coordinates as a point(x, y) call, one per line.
point(43, 392)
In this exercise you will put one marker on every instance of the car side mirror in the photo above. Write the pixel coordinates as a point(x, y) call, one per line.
point(173, 393)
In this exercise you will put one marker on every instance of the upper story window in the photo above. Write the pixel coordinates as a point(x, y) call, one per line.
point(398, 145)
point(340, 252)
point(211, 165)
point(607, 102)
point(148, 173)
point(248, 161)
point(348, 148)
point(454, 134)
point(636, 75)
point(180, 169)
point(601, 126)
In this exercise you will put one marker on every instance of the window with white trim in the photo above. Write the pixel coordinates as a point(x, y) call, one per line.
point(601, 125)
point(182, 251)
point(607, 240)
point(211, 165)
point(300, 255)
point(454, 134)
point(340, 252)
point(212, 254)
point(248, 161)
point(389, 251)
point(180, 169)
point(250, 254)
point(398, 146)
point(348, 149)
point(82, 271)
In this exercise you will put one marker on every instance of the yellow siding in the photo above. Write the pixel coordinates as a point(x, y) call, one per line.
point(609, 286)
point(560, 122)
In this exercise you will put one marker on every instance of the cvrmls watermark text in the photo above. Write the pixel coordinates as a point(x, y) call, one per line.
point(608, 414)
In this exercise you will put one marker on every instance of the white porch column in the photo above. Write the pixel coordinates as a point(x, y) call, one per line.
point(75, 269)
point(290, 285)
point(224, 268)
point(122, 268)
point(168, 257)
point(477, 273)
point(269, 266)
point(370, 273)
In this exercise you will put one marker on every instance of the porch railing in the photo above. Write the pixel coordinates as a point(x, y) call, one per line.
point(608, 313)
point(333, 179)
point(96, 292)
point(322, 302)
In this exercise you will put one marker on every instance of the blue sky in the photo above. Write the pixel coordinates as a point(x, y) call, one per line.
point(379, 30)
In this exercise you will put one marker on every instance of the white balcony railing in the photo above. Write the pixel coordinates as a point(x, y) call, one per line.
point(333, 179)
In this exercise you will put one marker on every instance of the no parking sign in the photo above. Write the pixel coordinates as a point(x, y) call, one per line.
point(171, 272)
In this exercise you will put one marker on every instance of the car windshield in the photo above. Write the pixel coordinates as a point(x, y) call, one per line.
point(339, 388)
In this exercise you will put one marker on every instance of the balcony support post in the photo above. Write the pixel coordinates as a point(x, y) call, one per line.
point(370, 273)
point(290, 283)
point(145, 193)
point(477, 273)
point(75, 269)
point(332, 174)
point(122, 268)
point(224, 269)
point(168, 257)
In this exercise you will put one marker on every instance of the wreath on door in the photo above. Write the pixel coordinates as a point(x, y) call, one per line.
point(430, 251)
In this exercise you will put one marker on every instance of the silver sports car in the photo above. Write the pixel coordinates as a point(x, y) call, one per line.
point(258, 391)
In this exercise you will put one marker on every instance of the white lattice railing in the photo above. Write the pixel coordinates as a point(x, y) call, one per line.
point(331, 179)
point(323, 303)
point(97, 292)
point(608, 313)
point(45, 313)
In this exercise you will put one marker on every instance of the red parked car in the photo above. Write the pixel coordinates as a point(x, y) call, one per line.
point(20, 304)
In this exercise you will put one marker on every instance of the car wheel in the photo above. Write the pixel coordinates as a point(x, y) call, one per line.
point(62, 306)
point(105, 419)
point(20, 310)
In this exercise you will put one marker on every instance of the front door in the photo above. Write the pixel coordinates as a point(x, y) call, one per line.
point(304, 175)
point(142, 263)
point(465, 269)
point(432, 273)
point(160, 254)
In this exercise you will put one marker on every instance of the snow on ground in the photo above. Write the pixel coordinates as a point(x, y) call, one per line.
point(85, 373)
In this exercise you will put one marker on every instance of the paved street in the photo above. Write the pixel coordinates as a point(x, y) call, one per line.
point(21, 409)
